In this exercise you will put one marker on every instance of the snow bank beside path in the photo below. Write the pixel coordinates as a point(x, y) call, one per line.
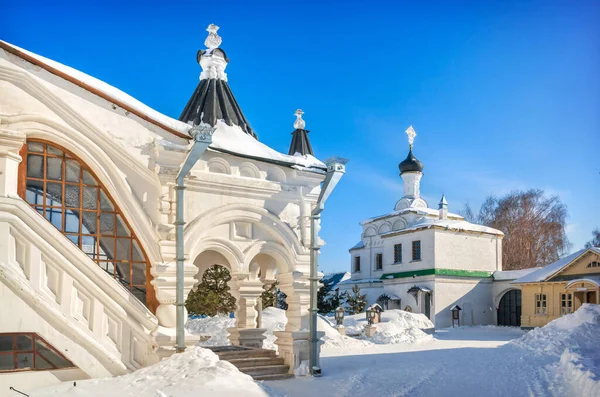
point(572, 345)
point(396, 326)
point(195, 372)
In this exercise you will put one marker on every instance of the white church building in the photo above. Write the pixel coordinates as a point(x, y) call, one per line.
point(89, 215)
point(427, 260)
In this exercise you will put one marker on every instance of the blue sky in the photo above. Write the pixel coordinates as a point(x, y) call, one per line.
point(503, 95)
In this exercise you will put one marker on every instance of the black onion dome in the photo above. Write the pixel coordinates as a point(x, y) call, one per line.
point(410, 164)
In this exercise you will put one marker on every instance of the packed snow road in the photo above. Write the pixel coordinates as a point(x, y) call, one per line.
point(472, 361)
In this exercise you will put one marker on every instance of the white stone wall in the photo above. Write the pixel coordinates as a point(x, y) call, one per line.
point(467, 251)
point(473, 295)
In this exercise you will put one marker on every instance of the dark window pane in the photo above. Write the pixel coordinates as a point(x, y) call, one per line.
point(41, 363)
point(88, 179)
point(90, 198)
point(122, 229)
point(137, 252)
point(72, 221)
point(140, 293)
point(123, 249)
point(54, 194)
point(7, 362)
point(105, 203)
point(89, 222)
point(24, 342)
point(52, 150)
point(107, 248)
point(35, 166)
point(35, 192)
point(24, 360)
point(139, 273)
point(72, 196)
point(123, 272)
point(50, 354)
point(54, 168)
point(6, 343)
point(107, 224)
point(54, 216)
point(35, 147)
point(72, 171)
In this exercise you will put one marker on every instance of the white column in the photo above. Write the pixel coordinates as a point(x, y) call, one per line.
point(10, 145)
point(412, 184)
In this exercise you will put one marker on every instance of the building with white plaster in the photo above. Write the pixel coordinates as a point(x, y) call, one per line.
point(87, 219)
point(427, 260)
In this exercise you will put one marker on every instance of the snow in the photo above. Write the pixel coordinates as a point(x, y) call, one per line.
point(450, 224)
point(197, 371)
point(233, 139)
point(547, 271)
point(228, 138)
point(505, 275)
point(109, 91)
point(413, 210)
point(561, 359)
point(361, 281)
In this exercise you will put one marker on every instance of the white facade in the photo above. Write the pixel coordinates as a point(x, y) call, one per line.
point(247, 210)
point(453, 266)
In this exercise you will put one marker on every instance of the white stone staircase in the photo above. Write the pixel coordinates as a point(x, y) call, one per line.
point(57, 291)
point(261, 364)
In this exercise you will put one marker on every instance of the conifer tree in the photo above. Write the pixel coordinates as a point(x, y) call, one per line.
point(212, 295)
point(355, 302)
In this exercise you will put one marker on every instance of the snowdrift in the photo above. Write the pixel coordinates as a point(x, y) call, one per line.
point(197, 371)
point(571, 346)
point(397, 326)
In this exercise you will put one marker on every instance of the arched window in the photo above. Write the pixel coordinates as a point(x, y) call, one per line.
point(67, 193)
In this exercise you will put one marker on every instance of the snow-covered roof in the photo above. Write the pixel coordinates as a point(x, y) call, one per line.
point(504, 275)
point(413, 210)
point(361, 281)
point(228, 139)
point(335, 278)
point(449, 224)
point(542, 274)
point(360, 244)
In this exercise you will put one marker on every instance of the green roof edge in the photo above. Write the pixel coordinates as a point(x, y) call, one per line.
point(439, 272)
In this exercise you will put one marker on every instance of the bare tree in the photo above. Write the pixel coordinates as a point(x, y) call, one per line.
point(533, 227)
point(595, 241)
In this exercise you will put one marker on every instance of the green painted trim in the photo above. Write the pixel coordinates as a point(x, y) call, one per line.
point(439, 272)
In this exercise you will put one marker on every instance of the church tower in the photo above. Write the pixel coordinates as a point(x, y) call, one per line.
point(411, 171)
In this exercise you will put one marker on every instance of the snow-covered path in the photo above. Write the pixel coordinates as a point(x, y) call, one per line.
point(459, 362)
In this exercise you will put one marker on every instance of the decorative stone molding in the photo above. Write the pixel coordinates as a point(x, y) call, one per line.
point(10, 145)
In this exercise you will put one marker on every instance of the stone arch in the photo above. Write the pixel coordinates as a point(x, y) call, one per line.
point(275, 174)
point(209, 258)
point(219, 165)
point(399, 224)
point(278, 252)
point(371, 231)
point(384, 228)
point(105, 170)
point(273, 225)
point(227, 251)
point(249, 170)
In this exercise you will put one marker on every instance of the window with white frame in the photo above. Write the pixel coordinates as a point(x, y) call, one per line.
point(566, 303)
point(378, 261)
point(540, 304)
point(357, 264)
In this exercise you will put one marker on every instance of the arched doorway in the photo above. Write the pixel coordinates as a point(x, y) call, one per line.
point(509, 309)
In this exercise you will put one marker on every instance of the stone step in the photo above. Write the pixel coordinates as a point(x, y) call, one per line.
point(273, 377)
point(252, 353)
point(266, 370)
point(256, 361)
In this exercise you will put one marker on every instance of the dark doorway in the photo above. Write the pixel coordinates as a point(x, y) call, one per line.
point(509, 310)
point(427, 298)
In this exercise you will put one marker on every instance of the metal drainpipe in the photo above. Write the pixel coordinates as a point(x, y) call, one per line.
point(336, 167)
point(202, 139)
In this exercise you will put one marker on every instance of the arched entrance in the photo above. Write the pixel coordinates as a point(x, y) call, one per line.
point(509, 309)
